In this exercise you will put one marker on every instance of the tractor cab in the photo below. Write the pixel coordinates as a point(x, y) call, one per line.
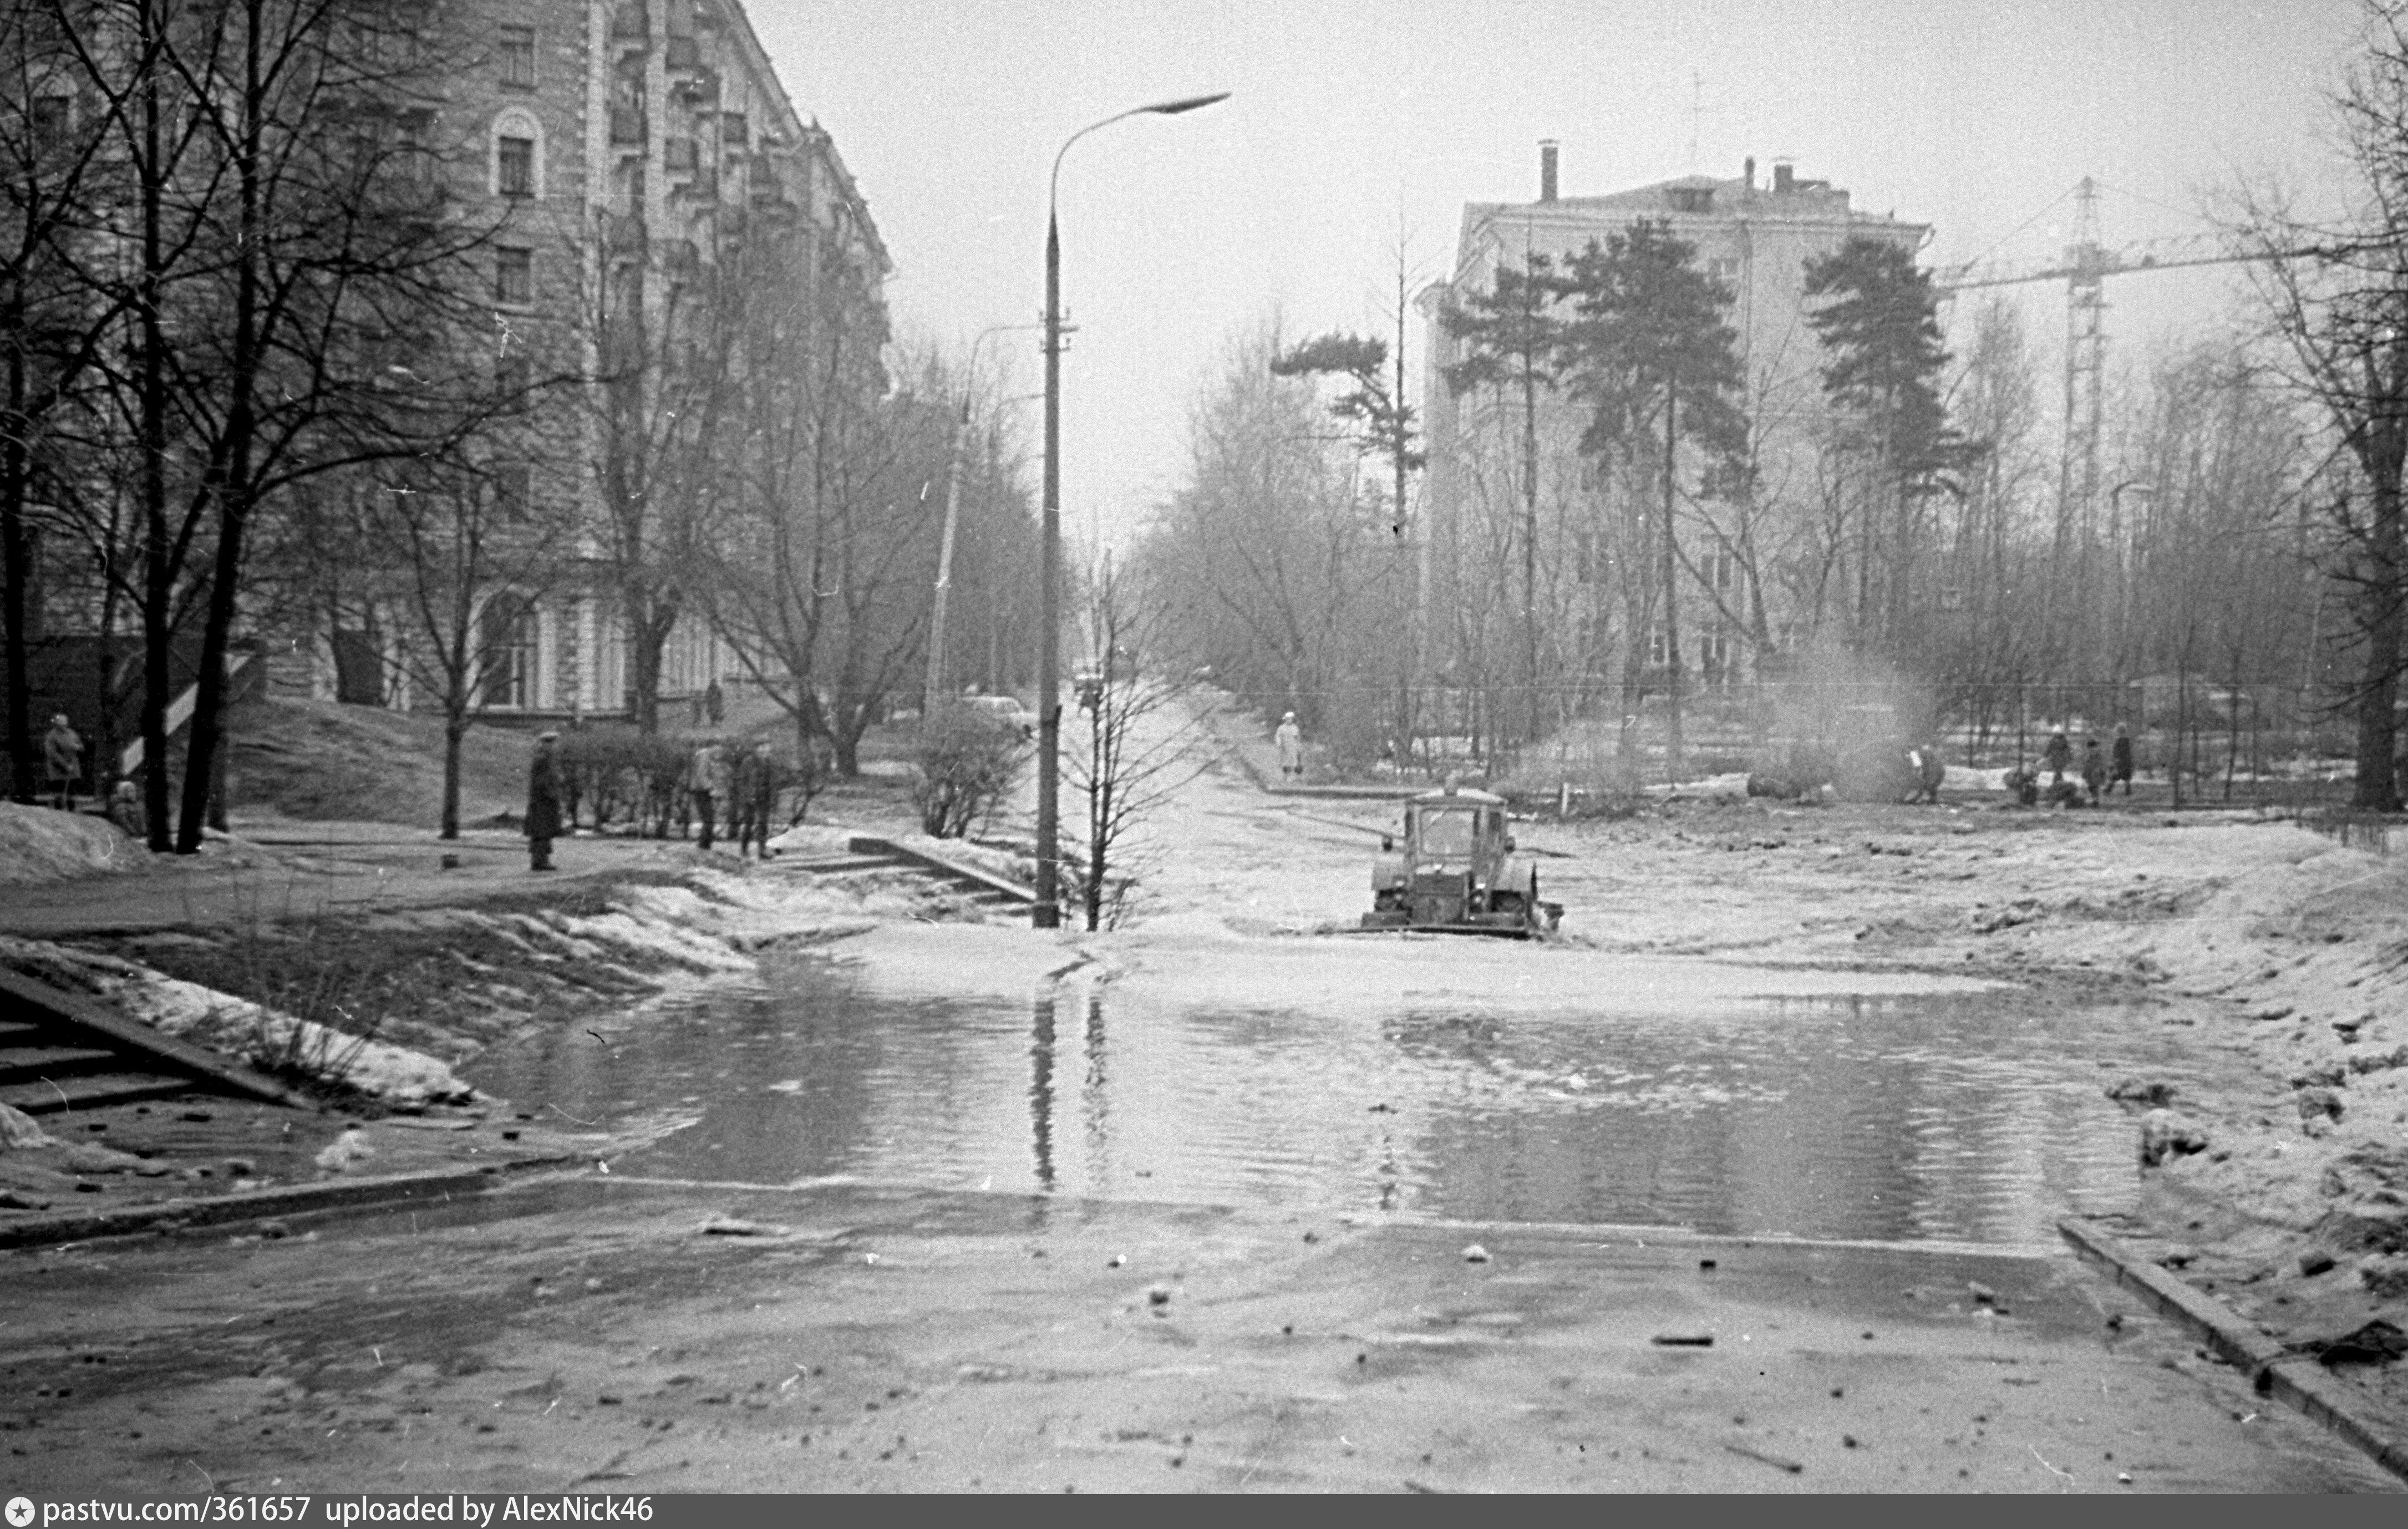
point(1454, 871)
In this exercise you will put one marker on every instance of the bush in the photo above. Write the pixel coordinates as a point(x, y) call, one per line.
point(616, 771)
point(966, 765)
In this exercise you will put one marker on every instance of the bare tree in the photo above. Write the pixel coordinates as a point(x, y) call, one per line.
point(1269, 563)
point(2336, 293)
point(265, 207)
point(52, 325)
point(1141, 726)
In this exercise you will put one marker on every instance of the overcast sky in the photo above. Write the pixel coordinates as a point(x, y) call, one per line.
point(1352, 120)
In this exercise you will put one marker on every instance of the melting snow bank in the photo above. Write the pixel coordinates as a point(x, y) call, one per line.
point(37, 844)
point(406, 1017)
point(262, 1037)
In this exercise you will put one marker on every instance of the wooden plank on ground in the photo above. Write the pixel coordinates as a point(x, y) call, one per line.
point(18, 1064)
point(969, 876)
point(90, 1091)
point(93, 1022)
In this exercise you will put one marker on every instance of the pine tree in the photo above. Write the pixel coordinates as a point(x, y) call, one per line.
point(1512, 336)
point(1649, 353)
point(1882, 359)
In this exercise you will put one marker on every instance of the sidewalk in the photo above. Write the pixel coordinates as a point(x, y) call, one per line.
point(275, 868)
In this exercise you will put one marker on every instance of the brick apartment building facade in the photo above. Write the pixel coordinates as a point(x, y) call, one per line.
point(580, 127)
point(1754, 235)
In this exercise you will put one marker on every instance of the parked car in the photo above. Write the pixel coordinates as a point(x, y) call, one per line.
point(1004, 711)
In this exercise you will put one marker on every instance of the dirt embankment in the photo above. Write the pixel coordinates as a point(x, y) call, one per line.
point(373, 1011)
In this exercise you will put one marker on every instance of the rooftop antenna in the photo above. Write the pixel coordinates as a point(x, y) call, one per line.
point(1698, 109)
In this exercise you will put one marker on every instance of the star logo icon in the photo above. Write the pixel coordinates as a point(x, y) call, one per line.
point(21, 1512)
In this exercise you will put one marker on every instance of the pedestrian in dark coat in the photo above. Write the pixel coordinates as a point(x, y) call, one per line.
point(2094, 769)
point(2058, 756)
point(756, 784)
point(63, 762)
point(543, 802)
point(2120, 768)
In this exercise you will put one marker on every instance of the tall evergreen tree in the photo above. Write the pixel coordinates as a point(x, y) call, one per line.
point(1649, 353)
point(1512, 336)
point(1879, 327)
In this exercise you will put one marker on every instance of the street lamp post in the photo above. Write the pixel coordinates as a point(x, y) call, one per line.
point(1047, 911)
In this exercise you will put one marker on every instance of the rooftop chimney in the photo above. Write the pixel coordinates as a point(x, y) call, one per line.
point(1747, 176)
point(1781, 170)
point(1546, 170)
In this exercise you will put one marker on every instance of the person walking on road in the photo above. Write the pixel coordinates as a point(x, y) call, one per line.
point(61, 761)
point(2120, 768)
point(543, 802)
point(1290, 739)
point(2094, 769)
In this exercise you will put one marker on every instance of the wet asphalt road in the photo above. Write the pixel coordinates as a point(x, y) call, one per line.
point(588, 1333)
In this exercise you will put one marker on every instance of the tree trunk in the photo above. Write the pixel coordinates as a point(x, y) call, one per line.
point(1672, 739)
point(16, 575)
point(456, 730)
point(158, 572)
point(1528, 721)
point(2381, 599)
point(234, 488)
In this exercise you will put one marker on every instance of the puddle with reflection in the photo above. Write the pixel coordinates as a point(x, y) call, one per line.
point(1975, 1118)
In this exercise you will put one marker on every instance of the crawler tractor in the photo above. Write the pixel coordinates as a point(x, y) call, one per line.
point(1456, 872)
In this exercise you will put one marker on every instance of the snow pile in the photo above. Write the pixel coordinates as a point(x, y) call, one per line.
point(240, 1028)
point(810, 838)
point(37, 844)
point(671, 921)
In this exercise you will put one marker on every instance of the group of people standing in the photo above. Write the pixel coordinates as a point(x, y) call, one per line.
point(729, 784)
point(741, 784)
point(2101, 772)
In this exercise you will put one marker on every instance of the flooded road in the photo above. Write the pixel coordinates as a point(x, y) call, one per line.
point(1968, 1117)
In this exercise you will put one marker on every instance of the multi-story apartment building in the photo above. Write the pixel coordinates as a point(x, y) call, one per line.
point(615, 147)
point(1755, 237)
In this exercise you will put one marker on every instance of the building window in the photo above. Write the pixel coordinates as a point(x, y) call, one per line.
point(507, 638)
point(514, 166)
point(515, 163)
point(734, 132)
point(518, 57)
point(1721, 568)
point(514, 277)
point(1715, 651)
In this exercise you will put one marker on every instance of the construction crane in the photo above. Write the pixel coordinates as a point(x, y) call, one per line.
point(2085, 268)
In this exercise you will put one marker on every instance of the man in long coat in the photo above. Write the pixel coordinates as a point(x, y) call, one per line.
point(543, 802)
point(63, 762)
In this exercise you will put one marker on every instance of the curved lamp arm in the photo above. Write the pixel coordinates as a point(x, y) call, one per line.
point(1158, 108)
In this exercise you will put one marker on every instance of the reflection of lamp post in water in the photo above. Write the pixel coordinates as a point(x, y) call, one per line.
point(934, 691)
point(1046, 912)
